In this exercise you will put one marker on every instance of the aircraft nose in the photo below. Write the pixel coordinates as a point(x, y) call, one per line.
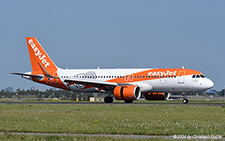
point(210, 84)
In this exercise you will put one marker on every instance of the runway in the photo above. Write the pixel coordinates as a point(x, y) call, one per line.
point(98, 103)
point(119, 135)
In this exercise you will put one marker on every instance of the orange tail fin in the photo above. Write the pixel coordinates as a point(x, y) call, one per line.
point(40, 61)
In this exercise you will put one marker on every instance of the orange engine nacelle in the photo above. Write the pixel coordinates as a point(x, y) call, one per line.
point(157, 96)
point(127, 92)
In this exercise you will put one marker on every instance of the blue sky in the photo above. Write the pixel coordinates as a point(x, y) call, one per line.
point(114, 34)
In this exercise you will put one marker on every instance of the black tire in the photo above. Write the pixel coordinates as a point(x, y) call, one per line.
point(185, 101)
point(108, 99)
point(128, 101)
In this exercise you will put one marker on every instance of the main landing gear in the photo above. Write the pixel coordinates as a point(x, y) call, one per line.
point(128, 101)
point(108, 99)
point(185, 100)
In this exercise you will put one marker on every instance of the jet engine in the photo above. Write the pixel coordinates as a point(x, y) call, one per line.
point(157, 96)
point(127, 92)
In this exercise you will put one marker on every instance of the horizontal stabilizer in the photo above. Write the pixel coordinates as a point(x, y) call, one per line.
point(24, 74)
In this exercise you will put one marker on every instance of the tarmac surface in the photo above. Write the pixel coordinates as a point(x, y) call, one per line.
point(117, 135)
point(101, 103)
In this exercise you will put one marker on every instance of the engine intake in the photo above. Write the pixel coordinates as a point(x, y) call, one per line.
point(127, 92)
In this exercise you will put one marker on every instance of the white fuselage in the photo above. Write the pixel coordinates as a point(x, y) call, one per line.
point(183, 83)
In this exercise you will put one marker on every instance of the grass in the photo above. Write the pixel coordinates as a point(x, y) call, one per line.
point(114, 119)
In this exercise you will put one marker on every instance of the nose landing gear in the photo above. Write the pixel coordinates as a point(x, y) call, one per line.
point(185, 100)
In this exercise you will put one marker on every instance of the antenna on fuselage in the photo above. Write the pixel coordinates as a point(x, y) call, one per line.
point(98, 68)
point(183, 67)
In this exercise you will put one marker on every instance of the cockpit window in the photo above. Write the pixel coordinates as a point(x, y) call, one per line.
point(202, 76)
point(198, 76)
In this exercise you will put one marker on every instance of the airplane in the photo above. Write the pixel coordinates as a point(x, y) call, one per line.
point(122, 84)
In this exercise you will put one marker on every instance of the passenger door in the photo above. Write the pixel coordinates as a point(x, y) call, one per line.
point(181, 77)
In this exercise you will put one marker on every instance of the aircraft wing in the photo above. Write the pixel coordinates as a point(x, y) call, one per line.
point(90, 82)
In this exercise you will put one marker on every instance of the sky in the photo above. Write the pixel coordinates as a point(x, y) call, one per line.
point(114, 34)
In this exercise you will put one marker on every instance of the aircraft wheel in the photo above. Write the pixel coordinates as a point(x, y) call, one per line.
point(185, 101)
point(108, 99)
point(128, 101)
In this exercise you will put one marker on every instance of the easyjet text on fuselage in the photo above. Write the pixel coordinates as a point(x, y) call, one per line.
point(162, 73)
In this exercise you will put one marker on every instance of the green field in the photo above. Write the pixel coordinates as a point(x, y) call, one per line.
point(114, 119)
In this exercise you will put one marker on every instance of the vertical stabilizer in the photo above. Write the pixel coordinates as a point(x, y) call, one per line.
point(40, 61)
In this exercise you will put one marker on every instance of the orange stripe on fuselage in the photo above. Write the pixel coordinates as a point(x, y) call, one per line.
point(153, 74)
